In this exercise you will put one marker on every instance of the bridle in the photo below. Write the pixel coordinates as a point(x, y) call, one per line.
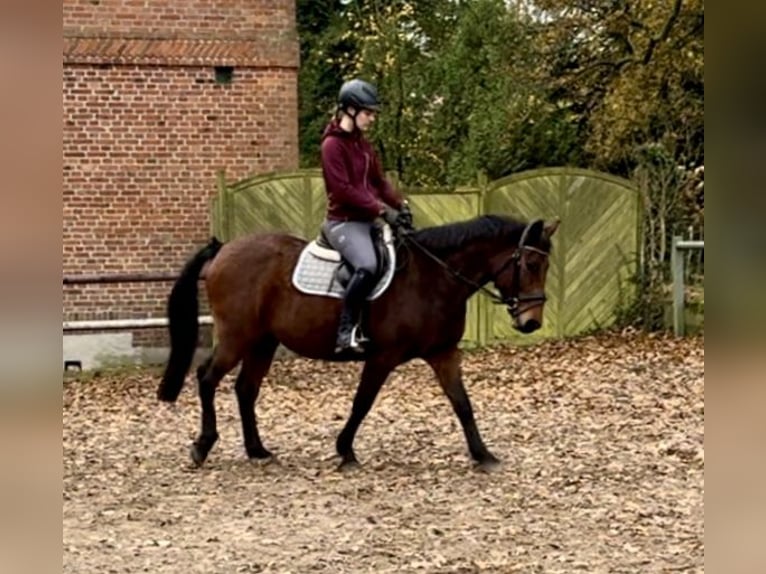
point(515, 300)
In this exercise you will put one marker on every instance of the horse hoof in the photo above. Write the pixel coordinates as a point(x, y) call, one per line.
point(261, 454)
point(348, 465)
point(198, 456)
point(263, 460)
point(489, 465)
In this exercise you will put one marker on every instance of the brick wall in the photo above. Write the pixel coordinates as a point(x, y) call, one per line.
point(217, 19)
point(147, 125)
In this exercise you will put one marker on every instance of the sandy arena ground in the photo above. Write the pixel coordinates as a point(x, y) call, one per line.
point(601, 440)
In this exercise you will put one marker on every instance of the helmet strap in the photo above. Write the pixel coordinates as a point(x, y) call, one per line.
point(352, 116)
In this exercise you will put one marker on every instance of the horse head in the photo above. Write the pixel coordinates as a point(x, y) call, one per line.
point(519, 275)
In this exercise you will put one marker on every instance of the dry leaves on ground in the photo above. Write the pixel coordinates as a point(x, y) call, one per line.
point(601, 438)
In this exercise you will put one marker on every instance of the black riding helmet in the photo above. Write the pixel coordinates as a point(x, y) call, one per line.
point(358, 94)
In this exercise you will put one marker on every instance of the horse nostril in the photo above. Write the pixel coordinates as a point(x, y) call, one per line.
point(530, 326)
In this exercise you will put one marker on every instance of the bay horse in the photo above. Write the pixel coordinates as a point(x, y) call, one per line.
point(255, 307)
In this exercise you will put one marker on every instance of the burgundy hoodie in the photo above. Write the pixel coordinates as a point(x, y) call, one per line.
point(353, 177)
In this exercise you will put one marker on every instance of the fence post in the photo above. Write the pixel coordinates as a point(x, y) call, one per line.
point(677, 267)
point(311, 227)
point(224, 227)
point(484, 318)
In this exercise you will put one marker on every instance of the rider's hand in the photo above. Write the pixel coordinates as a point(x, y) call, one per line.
point(404, 218)
point(390, 216)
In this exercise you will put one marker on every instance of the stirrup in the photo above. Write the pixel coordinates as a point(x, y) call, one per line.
point(355, 342)
point(358, 337)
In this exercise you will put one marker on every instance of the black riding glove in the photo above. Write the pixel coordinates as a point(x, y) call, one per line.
point(404, 218)
point(390, 216)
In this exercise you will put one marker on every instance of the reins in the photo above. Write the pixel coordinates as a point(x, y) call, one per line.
point(515, 299)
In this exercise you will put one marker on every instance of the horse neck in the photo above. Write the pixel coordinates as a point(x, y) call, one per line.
point(471, 261)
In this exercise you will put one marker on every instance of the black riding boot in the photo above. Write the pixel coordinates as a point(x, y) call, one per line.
point(358, 288)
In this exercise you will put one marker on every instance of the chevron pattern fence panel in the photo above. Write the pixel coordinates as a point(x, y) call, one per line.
point(277, 202)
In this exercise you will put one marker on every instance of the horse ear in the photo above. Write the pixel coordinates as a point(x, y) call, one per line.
point(532, 233)
point(551, 227)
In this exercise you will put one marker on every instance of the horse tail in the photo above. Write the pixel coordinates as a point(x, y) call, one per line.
point(183, 324)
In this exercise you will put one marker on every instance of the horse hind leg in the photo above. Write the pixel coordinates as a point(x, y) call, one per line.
point(203, 367)
point(255, 365)
point(223, 360)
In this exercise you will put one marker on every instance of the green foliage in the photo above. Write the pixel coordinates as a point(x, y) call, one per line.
point(325, 47)
point(633, 72)
point(671, 196)
point(461, 86)
point(499, 87)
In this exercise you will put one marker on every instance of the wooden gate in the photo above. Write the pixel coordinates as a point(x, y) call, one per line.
point(595, 246)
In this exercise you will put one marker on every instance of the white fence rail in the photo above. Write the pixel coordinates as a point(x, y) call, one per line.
point(121, 324)
point(677, 262)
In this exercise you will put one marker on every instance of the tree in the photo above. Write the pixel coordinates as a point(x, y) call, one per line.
point(498, 87)
point(462, 88)
point(633, 72)
point(325, 46)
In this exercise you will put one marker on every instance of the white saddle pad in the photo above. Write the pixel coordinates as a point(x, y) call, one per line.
point(314, 274)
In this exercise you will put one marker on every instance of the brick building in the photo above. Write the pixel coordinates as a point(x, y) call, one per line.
point(158, 96)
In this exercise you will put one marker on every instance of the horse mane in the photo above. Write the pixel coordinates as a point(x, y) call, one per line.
point(453, 235)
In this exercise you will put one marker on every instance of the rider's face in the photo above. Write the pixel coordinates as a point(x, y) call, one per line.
point(364, 119)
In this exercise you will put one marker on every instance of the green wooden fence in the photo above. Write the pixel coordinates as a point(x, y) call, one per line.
point(595, 248)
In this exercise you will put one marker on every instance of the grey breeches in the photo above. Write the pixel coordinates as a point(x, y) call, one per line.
point(354, 241)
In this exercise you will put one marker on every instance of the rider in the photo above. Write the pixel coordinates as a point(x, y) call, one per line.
point(357, 193)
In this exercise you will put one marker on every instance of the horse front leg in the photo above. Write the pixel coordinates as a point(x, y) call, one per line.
point(446, 365)
point(374, 374)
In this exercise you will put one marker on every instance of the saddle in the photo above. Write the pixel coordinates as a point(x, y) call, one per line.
point(321, 270)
